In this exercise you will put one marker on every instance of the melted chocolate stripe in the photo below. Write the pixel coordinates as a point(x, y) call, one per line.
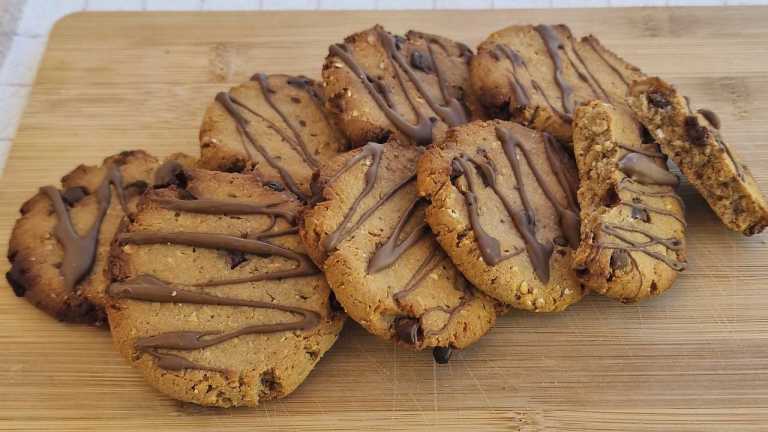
point(617, 231)
point(224, 207)
point(242, 124)
point(591, 42)
point(658, 210)
point(566, 117)
point(228, 242)
point(302, 149)
point(666, 194)
point(420, 133)
point(80, 251)
point(391, 250)
point(649, 153)
point(589, 75)
point(553, 44)
point(150, 289)
point(643, 169)
point(432, 260)
point(451, 312)
point(521, 94)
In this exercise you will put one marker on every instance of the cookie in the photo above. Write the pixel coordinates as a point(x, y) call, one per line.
point(369, 236)
point(538, 75)
point(502, 204)
point(633, 227)
point(59, 246)
point(274, 125)
point(412, 88)
point(213, 297)
point(692, 139)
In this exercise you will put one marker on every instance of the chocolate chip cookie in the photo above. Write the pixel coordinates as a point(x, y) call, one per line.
point(274, 125)
point(633, 227)
point(213, 298)
point(369, 236)
point(502, 203)
point(59, 246)
point(538, 75)
point(413, 88)
point(694, 142)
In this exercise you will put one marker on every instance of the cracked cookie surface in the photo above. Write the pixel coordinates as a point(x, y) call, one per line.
point(213, 298)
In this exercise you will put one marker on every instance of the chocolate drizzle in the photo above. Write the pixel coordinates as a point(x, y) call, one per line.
point(644, 170)
point(80, 250)
point(620, 232)
point(224, 207)
point(150, 289)
point(553, 43)
point(391, 250)
point(524, 221)
point(521, 94)
point(450, 110)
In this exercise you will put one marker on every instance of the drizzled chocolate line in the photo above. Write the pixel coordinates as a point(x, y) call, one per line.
point(391, 250)
point(432, 260)
point(591, 42)
point(229, 104)
point(80, 251)
point(589, 75)
point(672, 244)
point(644, 207)
point(553, 44)
point(150, 289)
point(298, 144)
point(521, 95)
point(666, 194)
point(222, 241)
point(649, 153)
point(224, 207)
point(643, 169)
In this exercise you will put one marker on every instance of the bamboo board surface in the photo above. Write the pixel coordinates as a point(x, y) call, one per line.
point(693, 359)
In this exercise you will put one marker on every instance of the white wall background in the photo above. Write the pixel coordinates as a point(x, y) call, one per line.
point(26, 25)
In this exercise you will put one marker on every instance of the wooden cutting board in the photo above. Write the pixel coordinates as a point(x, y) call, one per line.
point(693, 359)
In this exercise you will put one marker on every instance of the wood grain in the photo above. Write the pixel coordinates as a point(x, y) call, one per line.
point(694, 359)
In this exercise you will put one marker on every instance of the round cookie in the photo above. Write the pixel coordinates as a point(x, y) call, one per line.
point(414, 88)
point(503, 207)
point(694, 142)
point(59, 246)
point(369, 236)
point(538, 75)
point(213, 298)
point(633, 227)
point(274, 125)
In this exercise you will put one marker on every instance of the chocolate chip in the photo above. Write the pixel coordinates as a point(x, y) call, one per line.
point(581, 270)
point(295, 100)
point(408, 330)
point(658, 100)
point(170, 173)
point(711, 117)
point(696, 133)
point(73, 195)
point(235, 166)
point(611, 198)
point(640, 213)
point(399, 42)
point(14, 280)
point(235, 258)
point(334, 304)
point(645, 135)
point(619, 259)
point(302, 123)
point(274, 185)
point(421, 62)
point(442, 354)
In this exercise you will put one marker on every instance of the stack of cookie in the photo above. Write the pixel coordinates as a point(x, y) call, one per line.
point(421, 190)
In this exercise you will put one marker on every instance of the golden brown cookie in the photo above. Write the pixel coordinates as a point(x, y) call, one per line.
point(213, 297)
point(503, 207)
point(538, 75)
point(412, 88)
point(692, 139)
point(632, 221)
point(59, 246)
point(369, 236)
point(274, 125)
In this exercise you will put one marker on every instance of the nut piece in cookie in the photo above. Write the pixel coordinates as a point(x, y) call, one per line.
point(59, 246)
point(369, 236)
point(213, 297)
point(503, 207)
point(274, 125)
point(413, 88)
point(692, 139)
point(538, 75)
point(632, 223)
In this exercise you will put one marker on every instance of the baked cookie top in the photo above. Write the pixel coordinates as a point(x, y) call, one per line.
point(503, 207)
point(538, 75)
point(693, 140)
point(213, 297)
point(274, 125)
point(412, 88)
point(633, 227)
point(369, 236)
point(59, 246)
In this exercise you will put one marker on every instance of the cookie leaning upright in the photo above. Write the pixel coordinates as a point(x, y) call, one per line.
point(413, 88)
point(503, 207)
point(694, 142)
point(538, 75)
point(59, 246)
point(369, 236)
point(632, 221)
point(274, 125)
point(213, 298)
